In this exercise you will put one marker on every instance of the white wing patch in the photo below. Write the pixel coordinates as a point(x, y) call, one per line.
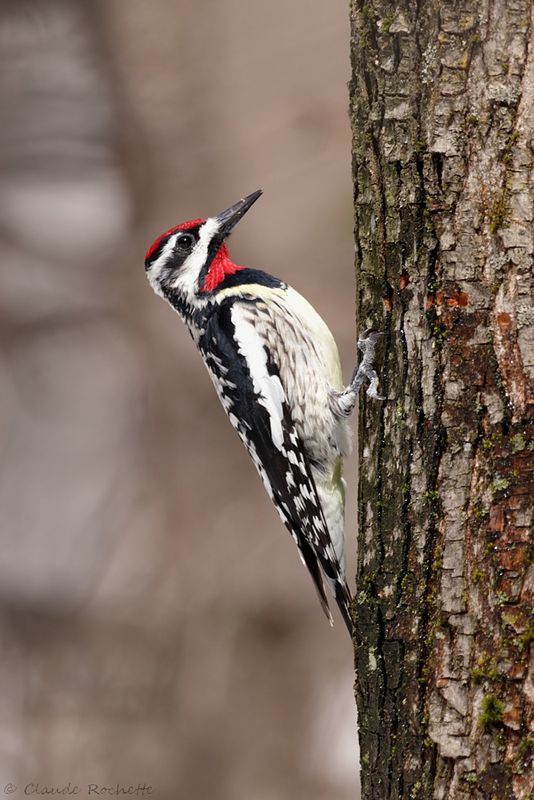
point(268, 387)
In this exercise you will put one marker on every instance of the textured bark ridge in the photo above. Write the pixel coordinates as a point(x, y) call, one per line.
point(442, 109)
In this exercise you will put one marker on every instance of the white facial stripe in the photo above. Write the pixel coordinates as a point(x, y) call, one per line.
point(156, 268)
point(187, 277)
point(156, 265)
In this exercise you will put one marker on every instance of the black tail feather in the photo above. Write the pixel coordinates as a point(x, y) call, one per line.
point(312, 565)
point(344, 600)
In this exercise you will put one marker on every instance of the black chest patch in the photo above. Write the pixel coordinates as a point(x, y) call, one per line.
point(247, 276)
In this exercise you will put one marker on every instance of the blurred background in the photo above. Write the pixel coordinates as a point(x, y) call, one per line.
point(157, 626)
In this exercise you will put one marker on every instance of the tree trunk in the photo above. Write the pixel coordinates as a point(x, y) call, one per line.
point(442, 109)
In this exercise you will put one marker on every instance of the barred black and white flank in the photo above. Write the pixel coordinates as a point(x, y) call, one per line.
point(275, 366)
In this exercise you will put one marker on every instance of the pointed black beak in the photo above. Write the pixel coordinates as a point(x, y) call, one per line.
point(228, 219)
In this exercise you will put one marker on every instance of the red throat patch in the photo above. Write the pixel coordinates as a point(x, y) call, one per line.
point(220, 267)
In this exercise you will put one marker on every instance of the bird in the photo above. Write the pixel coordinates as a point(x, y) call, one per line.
point(276, 369)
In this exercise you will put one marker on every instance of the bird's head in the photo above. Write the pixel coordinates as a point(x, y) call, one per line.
point(191, 259)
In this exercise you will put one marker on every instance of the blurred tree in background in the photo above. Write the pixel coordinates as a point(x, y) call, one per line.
point(143, 637)
point(443, 122)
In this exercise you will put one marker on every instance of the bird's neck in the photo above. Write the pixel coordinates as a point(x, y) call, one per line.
point(220, 266)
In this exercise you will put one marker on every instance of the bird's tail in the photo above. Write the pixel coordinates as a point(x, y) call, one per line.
point(340, 591)
point(310, 562)
point(338, 588)
point(344, 600)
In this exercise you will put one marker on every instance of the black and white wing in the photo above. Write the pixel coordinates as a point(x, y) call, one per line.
point(249, 386)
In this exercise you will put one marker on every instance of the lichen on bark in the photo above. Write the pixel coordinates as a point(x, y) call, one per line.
point(442, 110)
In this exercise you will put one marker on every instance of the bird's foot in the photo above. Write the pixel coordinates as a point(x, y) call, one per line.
point(343, 402)
point(366, 370)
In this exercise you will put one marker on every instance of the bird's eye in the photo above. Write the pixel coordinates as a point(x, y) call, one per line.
point(185, 241)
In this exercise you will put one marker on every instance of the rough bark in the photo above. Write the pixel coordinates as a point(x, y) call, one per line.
point(442, 109)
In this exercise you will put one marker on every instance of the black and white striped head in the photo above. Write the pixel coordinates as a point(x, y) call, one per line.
point(191, 259)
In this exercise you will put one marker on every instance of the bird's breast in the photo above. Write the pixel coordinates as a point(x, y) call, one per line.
point(304, 353)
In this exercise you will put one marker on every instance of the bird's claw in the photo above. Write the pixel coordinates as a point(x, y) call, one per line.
point(365, 371)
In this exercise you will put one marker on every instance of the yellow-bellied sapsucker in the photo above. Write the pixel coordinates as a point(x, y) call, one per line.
point(275, 366)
